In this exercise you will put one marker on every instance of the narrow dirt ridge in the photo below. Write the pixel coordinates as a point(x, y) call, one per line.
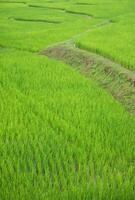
point(79, 13)
point(37, 20)
point(23, 2)
point(85, 4)
point(117, 80)
point(99, 25)
point(46, 7)
point(61, 9)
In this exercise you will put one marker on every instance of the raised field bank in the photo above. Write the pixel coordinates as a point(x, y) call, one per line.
point(67, 100)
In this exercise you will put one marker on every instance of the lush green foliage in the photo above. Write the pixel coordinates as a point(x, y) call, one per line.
point(61, 135)
point(115, 39)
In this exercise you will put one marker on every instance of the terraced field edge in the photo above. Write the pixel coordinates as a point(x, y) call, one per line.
point(117, 80)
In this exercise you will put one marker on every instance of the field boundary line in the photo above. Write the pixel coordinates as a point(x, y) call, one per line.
point(116, 79)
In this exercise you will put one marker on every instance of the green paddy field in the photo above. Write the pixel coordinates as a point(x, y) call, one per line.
point(62, 135)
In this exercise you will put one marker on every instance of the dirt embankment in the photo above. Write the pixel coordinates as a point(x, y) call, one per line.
point(117, 80)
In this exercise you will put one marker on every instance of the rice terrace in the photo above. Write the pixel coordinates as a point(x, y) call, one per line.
point(67, 100)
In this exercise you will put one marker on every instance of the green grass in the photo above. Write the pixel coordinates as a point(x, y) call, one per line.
point(115, 40)
point(61, 135)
